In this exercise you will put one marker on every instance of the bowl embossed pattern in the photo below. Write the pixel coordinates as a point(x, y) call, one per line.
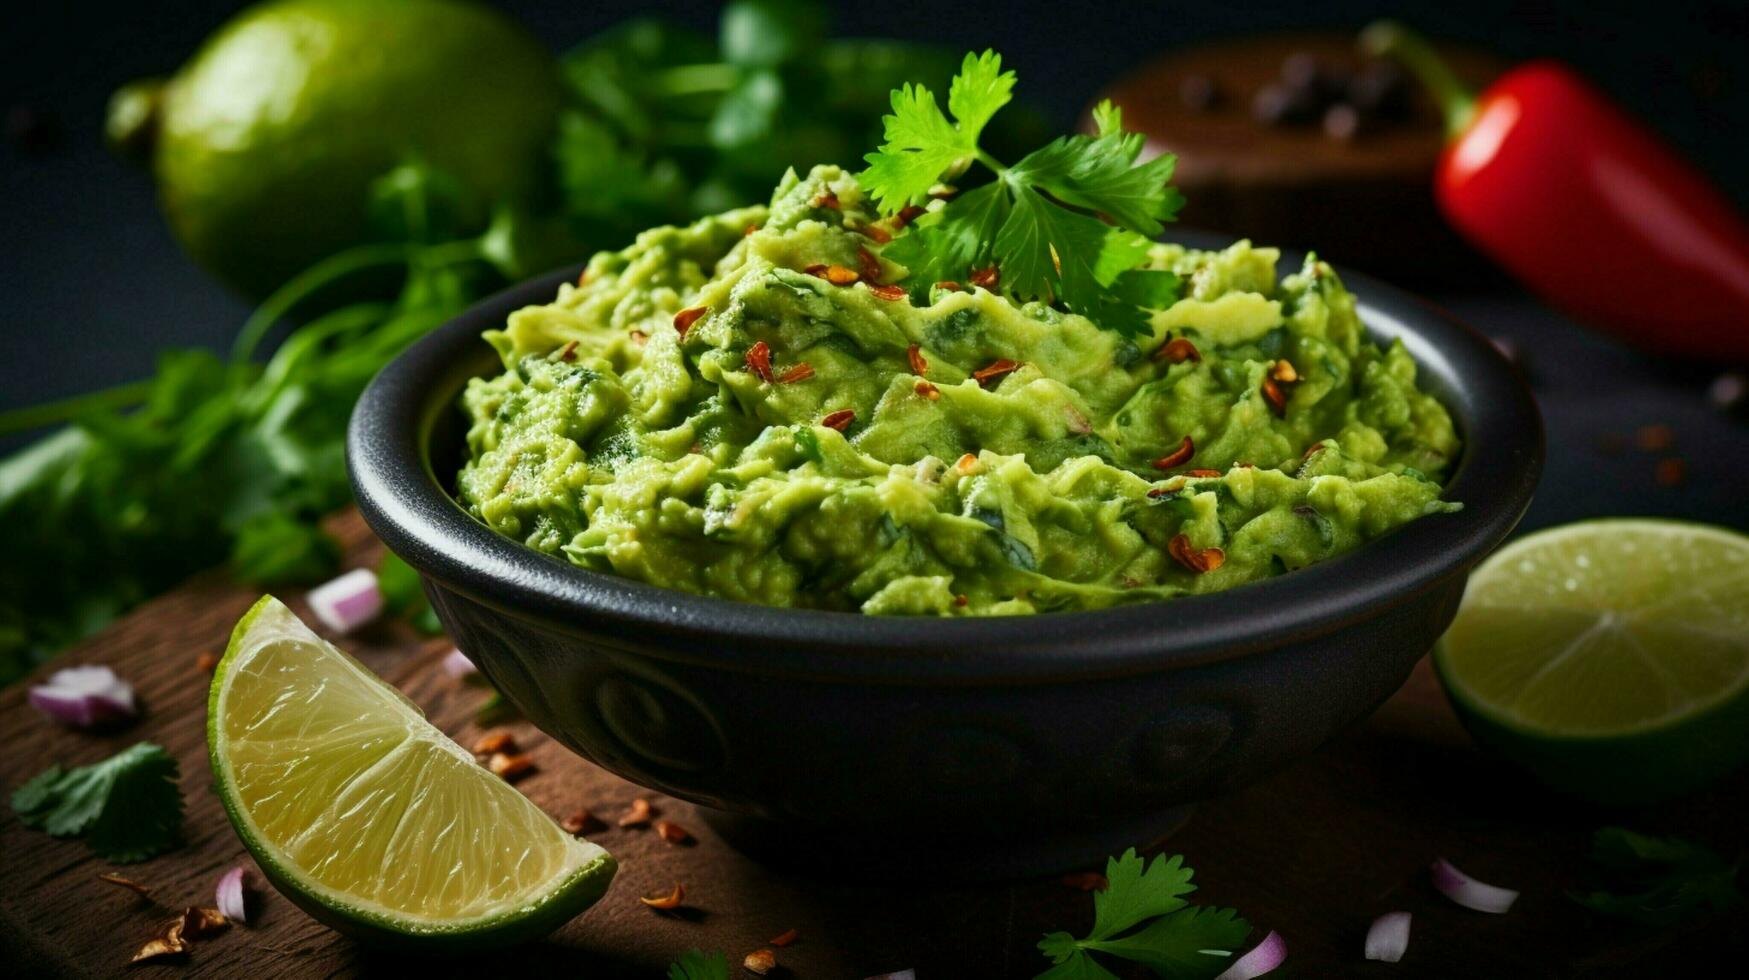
point(976, 748)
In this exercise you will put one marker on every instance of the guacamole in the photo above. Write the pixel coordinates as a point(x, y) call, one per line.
point(750, 408)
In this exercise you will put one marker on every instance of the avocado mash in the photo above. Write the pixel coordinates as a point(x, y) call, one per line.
point(748, 408)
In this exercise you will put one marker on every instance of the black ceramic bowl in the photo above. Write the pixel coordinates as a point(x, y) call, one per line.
point(984, 747)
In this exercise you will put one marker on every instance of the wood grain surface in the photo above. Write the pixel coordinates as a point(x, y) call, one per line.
point(1313, 852)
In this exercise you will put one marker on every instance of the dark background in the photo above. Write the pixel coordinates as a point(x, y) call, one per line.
point(93, 284)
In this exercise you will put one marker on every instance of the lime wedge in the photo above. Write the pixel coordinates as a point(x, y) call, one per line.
point(369, 818)
point(1609, 657)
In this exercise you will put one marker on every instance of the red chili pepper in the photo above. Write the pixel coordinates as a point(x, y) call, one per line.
point(1586, 205)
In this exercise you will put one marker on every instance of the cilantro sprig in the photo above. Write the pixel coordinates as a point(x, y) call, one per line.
point(1043, 222)
point(1142, 916)
point(127, 807)
point(1659, 881)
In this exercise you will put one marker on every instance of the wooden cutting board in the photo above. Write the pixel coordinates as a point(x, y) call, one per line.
point(1314, 852)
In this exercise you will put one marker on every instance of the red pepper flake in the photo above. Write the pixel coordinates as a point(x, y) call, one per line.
point(919, 363)
point(890, 293)
point(1171, 488)
point(827, 199)
point(207, 662)
point(961, 600)
point(988, 277)
point(869, 265)
point(1283, 371)
point(671, 900)
point(1087, 881)
point(199, 923)
point(1203, 474)
point(121, 881)
point(638, 815)
point(949, 285)
point(840, 419)
point(1314, 447)
point(577, 821)
point(748, 231)
point(684, 320)
point(908, 214)
point(838, 275)
point(759, 962)
point(569, 351)
point(759, 360)
point(801, 372)
point(159, 948)
point(1177, 351)
point(1654, 438)
point(510, 767)
point(1177, 457)
point(994, 371)
point(927, 390)
point(493, 743)
point(1671, 472)
point(785, 938)
point(1272, 394)
point(877, 233)
point(1188, 555)
point(966, 463)
point(672, 832)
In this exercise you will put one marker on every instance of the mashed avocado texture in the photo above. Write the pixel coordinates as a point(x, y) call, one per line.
point(747, 408)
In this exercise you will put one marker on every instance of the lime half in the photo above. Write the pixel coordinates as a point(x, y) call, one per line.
point(1609, 657)
point(368, 817)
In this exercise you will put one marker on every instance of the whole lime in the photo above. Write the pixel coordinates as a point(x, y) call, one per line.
point(265, 144)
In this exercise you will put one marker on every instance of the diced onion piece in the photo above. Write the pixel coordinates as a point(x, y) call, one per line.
point(1468, 892)
point(85, 697)
point(229, 895)
point(1388, 937)
point(1264, 957)
point(456, 664)
point(348, 602)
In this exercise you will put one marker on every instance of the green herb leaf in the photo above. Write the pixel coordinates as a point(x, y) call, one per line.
point(698, 965)
point(127, 807)
point(1044, 221)
point(1660, 881)
point(275, 549)
point(1142, 916)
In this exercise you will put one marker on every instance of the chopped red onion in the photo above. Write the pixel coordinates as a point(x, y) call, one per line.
point(1388, 937)
point(456, 664)
point(229, 895)
point(1264, 957)
point(85, 697)
point(1469, 892)
point(348, 602)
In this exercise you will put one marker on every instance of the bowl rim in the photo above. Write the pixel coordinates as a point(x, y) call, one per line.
point(408, 507)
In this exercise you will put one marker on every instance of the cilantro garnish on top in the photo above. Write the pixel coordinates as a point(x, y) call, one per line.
point(1042, 222)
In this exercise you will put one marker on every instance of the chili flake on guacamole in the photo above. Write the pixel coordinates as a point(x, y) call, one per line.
point(816, 438)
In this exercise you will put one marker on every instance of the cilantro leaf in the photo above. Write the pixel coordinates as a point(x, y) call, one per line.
point(1136, 890)
point(128, 806)
point(1180, 945)
point(978, 91)
point(1142, 916)
point(1062, 225)
point(1660, 881)
point(948, 246)
point(698, 965)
